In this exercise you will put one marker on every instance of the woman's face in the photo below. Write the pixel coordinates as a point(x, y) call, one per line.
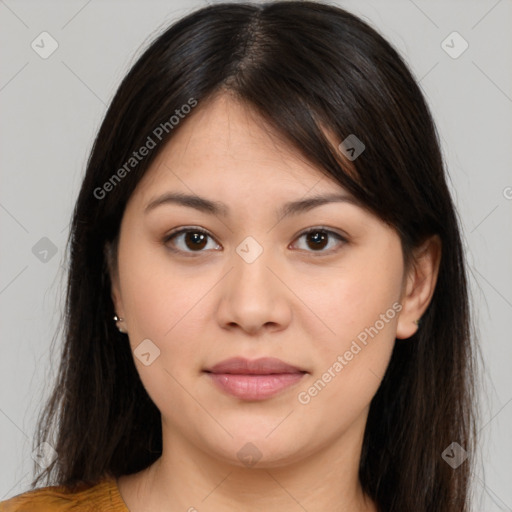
point(330, 303)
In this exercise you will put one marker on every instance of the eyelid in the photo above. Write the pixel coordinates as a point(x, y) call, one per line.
point(185, 229)
point(330, 231)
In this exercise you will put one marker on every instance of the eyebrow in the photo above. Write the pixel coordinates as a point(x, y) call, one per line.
point(218, 208)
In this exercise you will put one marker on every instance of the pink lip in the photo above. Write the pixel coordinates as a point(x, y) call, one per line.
point(254, 379)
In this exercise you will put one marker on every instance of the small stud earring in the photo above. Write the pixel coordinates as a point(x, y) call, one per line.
point(417, 322)
point(119, 319)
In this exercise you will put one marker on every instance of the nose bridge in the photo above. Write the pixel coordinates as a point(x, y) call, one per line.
point(251, 261)
point(252, 295)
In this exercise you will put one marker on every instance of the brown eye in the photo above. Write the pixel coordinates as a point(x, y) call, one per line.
point(189, 240)
point(317, 239)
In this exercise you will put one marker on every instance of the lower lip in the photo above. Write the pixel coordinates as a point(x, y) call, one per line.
point(254, 387)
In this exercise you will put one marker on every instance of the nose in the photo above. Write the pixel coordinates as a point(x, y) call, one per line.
point(254, 296)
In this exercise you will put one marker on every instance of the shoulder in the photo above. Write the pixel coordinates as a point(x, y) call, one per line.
point(103, 496)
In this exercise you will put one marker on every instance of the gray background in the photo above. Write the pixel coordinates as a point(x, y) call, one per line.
point(51, 109)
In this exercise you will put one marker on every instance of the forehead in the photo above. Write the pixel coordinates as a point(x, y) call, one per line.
point(224, 147)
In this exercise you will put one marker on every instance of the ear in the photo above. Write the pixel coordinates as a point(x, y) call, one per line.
point(110, 259)
point(419, 285)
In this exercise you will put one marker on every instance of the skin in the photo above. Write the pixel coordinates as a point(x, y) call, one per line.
point(294, 302)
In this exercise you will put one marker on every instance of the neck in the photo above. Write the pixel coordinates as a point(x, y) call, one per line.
point(186, 478)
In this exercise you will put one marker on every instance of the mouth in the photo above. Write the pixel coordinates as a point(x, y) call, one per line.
point(256, 379)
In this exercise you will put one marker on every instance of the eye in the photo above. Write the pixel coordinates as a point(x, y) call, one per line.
point(317, 238)
point(193, 238)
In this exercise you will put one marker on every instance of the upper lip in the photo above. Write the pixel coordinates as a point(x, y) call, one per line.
point(261, 366)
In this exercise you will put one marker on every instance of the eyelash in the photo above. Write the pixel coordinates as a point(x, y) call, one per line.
point(192, 229)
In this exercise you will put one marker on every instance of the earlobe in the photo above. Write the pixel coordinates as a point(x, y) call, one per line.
point(419, 286)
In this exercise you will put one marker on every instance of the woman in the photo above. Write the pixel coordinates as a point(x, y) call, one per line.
point(314, 353)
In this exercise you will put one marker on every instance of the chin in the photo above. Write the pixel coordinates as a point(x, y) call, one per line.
point(259, 451)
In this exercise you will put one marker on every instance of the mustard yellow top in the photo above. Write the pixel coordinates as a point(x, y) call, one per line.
point(103, 497)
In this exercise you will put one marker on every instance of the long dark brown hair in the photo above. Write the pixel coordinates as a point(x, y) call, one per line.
point(309, 69)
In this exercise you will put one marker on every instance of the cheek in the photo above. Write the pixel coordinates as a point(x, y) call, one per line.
point(162, 307)
point(155, 297)
point(361, 309)
point(165, 304)
point(353, 296)
point(348, 370)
